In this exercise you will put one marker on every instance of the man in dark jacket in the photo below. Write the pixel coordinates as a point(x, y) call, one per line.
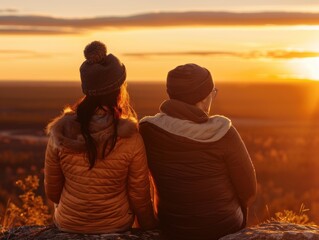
point(203, 175)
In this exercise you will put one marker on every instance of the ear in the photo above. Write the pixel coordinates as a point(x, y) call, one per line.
point(205, 103)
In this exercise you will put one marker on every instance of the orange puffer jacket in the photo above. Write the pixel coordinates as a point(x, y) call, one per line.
point(106, 198)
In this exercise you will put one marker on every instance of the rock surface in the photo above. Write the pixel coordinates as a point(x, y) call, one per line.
point(52, 233)
point(265, 231)
point(276, 231)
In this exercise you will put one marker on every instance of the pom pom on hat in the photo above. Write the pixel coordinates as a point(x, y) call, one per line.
point(95, 52)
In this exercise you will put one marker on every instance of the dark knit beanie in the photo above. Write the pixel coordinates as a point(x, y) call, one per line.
point(189, 83)
point(101, 73)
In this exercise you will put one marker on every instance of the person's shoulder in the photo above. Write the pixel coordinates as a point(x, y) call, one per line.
point(149, 121)
point(127, 128)
point(232, 131)
point(225, 123)
point(63, 121)
point(62, 128)
point(131, 137)
point(232, 136)
point(154, 119)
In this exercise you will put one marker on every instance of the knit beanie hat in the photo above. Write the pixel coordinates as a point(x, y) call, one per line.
point(101, 73)
point(189, 83)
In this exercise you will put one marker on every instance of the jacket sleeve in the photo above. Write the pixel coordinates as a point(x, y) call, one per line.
point(139, 186)
point(53, 175)
point(241, 168)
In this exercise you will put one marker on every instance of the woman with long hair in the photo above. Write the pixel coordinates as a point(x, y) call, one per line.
point(95, 165)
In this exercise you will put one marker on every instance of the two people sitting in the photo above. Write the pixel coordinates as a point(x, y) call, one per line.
point(99, 157)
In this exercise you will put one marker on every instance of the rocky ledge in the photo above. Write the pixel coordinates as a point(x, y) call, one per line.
point(265, 231)
point(52, 233)
point(276, 231)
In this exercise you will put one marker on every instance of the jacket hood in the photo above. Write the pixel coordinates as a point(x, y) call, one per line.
point(65, 130)
point(188, 121)
point(211, 131)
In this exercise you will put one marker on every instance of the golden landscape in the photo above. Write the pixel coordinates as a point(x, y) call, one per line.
point(276, 121)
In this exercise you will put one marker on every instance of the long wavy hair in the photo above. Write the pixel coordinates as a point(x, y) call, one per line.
point(117, 104)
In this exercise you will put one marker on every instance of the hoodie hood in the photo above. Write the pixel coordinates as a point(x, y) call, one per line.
point(65, 130)
point(211, 131)
point(188, 121)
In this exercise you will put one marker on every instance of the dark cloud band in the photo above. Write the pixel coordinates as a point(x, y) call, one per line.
point(170, 19)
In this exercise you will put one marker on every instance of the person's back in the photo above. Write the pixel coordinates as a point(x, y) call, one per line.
point(200, 166)
point(95, 165)
point(97, 200)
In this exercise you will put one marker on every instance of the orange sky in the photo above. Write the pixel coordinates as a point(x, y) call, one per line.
point(237, 45)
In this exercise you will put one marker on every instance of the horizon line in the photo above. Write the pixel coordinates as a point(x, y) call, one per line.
point(221, 81)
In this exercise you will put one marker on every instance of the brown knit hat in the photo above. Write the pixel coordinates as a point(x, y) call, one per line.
point(101, 73)
point(189, 83)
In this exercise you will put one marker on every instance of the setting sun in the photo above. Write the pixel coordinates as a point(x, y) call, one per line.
point(309, 68)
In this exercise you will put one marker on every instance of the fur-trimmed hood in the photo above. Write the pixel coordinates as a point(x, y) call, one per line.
point(65, 130)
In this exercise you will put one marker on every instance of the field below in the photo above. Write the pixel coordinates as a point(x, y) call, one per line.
point(278, 123)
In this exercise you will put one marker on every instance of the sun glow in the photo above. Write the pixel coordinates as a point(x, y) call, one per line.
point(306, 68)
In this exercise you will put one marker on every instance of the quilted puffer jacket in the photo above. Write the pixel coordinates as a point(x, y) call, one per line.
point(204, 177)
point(106, 198)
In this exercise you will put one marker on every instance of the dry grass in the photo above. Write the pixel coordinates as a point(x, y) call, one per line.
point(30, 211)
point(288, 216)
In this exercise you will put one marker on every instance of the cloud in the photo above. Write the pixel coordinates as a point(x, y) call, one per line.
point(30, 31)
point(8, 10)
point(22, 54)
point(187, 53)
point(274, 54)
point(291, 54)
point(30, 24)
point(166, 19)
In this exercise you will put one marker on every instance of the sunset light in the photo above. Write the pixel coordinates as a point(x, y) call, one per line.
point(259, 44)
point(308, 68)
point(110, 121)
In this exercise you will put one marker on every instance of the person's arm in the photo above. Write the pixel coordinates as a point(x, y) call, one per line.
point(241, 168)
point(139, 187)
point(53, 175)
